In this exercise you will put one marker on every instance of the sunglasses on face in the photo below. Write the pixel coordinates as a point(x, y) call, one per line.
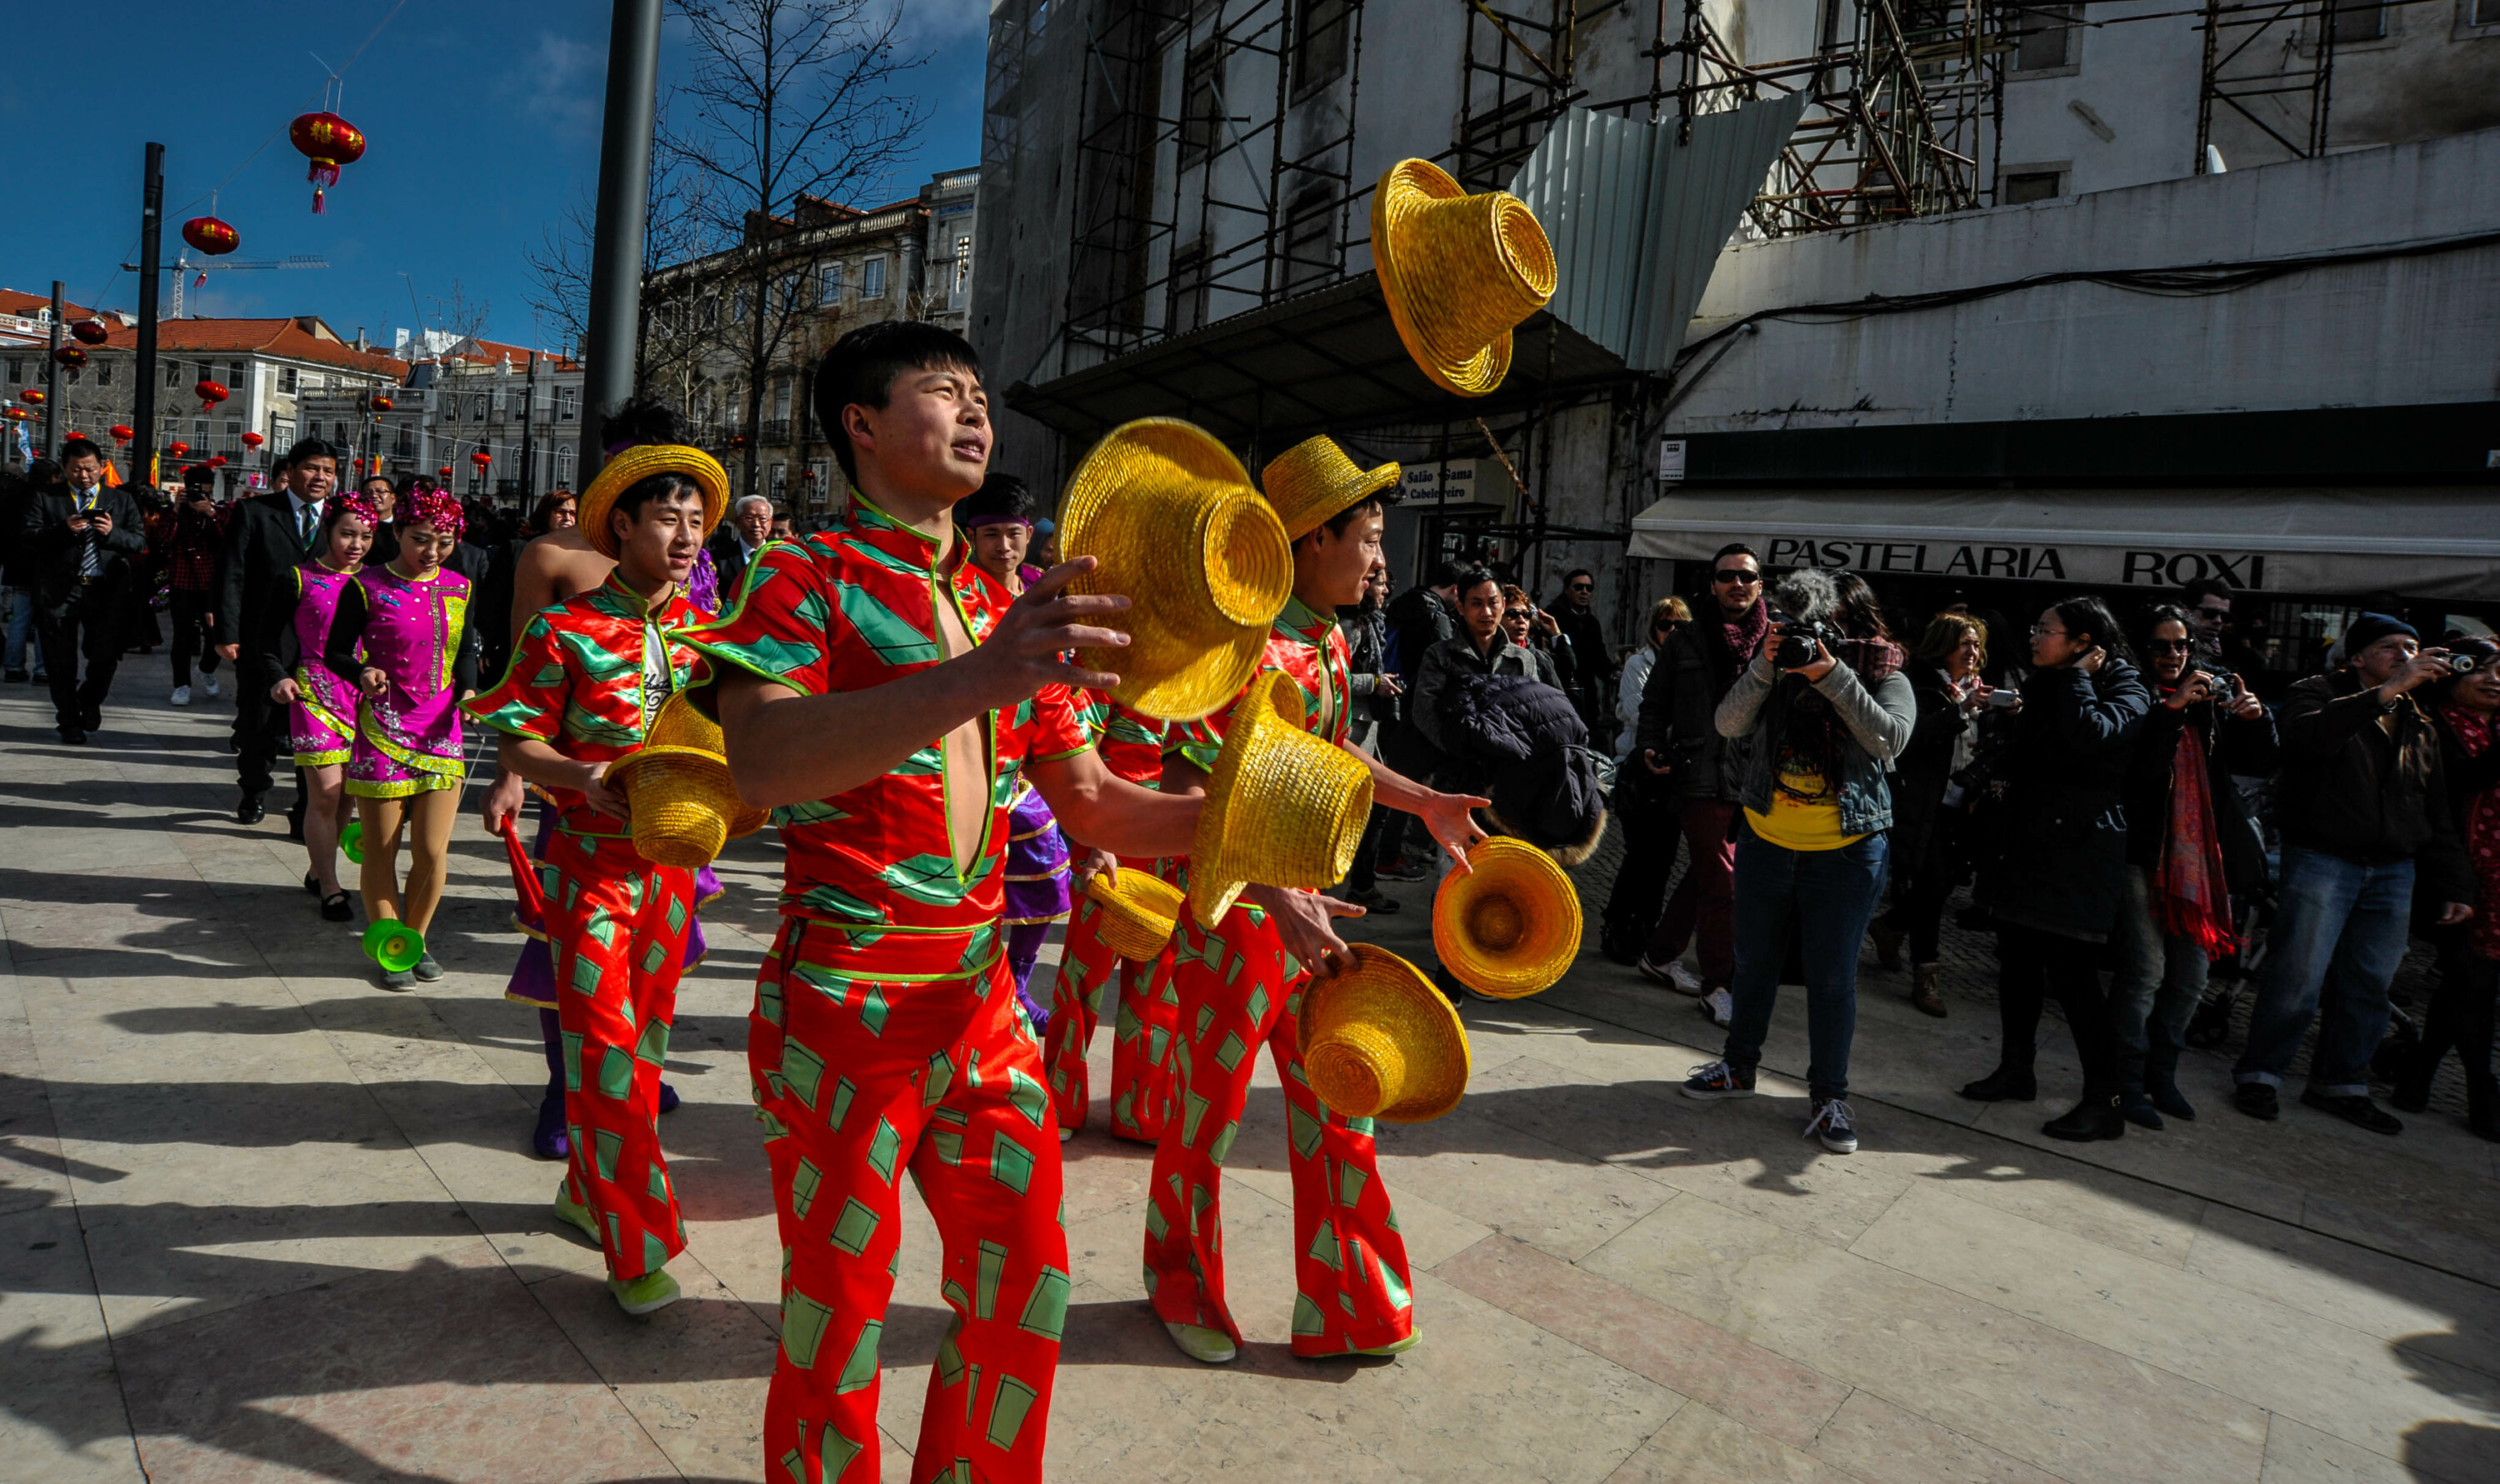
point(1584, 587)
point(1737, 576)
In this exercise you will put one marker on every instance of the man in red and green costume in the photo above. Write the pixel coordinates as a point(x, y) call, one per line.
point(585, 680)
point(887, 694)
point(1131, 748)
point(1241, 984)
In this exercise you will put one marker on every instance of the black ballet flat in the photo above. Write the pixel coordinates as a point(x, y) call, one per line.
point(312, 884)
point(335, 908)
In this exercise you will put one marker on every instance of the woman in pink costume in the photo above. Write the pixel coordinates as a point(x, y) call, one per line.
point(321, 707)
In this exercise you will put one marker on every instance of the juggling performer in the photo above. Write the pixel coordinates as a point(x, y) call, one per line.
point(401, 637)
point(587, 679)
point(1241, 980)
point(321, 707)
point(887, 697)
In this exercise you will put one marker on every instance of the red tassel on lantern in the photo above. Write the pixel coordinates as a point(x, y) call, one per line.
point(329, 142)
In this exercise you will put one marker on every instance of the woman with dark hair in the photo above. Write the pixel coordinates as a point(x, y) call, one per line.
point(320, 705)
point(1929, 804)
point(2189, 846)
point(2059, 887)
point(2467, 711)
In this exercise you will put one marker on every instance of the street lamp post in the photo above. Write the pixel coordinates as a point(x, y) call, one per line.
point(624, 193)
point(151, 223)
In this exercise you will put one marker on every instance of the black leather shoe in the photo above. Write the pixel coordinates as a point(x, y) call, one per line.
point(250, 811)
point(2139, 1111)
point(2258, 1099)
point(72, 737)
point(2098, 1117)
point(2359, 1113)
point(2003, 1086)
point(16, 678)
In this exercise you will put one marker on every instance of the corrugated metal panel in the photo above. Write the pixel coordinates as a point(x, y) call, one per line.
point(1637, 219)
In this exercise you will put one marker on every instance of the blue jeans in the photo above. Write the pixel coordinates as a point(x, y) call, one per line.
point(1827, 896)
point(2336, 939)
point(21, 627)
point(2159, 982)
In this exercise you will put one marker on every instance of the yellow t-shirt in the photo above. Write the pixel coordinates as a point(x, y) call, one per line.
point(1805, 810)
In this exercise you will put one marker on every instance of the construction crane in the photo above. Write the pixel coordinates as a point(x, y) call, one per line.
point(182, 268)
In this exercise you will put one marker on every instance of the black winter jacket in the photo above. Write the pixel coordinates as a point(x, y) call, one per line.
point(2369, 793)
point(2064, 868)
point(2231, 746)
point(1679, 710)
point(1521, 742)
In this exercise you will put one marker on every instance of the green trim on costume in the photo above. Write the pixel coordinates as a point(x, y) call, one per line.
point(322, 759)
point(357, 788)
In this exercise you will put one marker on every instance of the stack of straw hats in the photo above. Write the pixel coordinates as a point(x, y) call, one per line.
point(1139, 912)
point(678, 785)
point(1283, 807)
point(1171, 518)
point(1509, 925)
point(1458, 272)
point(1379, 1041)
point(639, 463)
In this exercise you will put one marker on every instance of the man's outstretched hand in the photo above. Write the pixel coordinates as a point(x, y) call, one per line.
point(1306, 927)
point(1452, 819)
point(1029, 649)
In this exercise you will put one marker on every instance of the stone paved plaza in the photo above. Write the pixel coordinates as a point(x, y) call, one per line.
point(260, 1219)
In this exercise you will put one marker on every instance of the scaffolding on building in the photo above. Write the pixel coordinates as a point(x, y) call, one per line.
point(2270, 66)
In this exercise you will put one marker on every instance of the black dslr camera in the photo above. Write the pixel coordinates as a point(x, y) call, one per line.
point(1798, 638)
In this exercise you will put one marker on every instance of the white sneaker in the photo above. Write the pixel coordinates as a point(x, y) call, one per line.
point(1719, 1007)
point(182, 695)
point(1684, 980)
point(208, 683)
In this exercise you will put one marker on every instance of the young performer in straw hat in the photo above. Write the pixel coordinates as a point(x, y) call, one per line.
point(587, 677)
point(886, 696)
point(1240, 984)
point(401, 636)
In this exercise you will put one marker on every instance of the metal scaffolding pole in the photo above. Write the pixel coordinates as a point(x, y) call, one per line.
point(151, 223)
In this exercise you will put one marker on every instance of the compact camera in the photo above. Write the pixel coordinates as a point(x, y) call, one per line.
point(1798, 638)
point(2461, 664)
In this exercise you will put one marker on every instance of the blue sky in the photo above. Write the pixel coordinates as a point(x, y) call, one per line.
point(482, 117)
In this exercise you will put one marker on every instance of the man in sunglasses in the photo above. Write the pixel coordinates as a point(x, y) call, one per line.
point(1591, 685)
point(1678, 747)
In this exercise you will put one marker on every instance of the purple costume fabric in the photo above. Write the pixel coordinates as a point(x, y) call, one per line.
point(321, 721)
point(1036, 888)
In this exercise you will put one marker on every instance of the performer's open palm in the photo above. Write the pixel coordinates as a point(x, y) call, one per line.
point(1452, 819)
point(1029, 649)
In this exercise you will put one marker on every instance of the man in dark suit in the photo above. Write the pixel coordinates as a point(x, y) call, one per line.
point(267, 538)
point(86, 539)
point(743, 535)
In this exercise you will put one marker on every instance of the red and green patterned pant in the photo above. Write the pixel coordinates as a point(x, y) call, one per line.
point(1142, 1033)
point(907, 1051)
point(1350, 1276)
point(616, 925)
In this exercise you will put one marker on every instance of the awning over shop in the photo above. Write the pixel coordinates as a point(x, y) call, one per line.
point(1273, 376)
point(2426, 543)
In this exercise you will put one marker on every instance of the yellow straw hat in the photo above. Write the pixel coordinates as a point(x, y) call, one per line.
point(1139, 912)
point(681, 723)
point(1379, 1041)
point(1171, 517)
point(1311, 482)
point(1509, 925)
point(1283, 807)
point(1458, 272)
point(639, 463)
point(682, 802)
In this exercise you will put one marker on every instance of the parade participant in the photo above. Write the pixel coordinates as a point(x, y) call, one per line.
point(1147, 1005)
point(1241, 983)
point(194, 532)
point(886, 694)
point(266, 538)
point(998, 516)
point(320, 706)
point(409, 620)
point(553, 565)
point(587, 678)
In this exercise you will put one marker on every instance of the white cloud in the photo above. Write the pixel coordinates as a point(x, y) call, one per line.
point(936, 23)
point(562, 81)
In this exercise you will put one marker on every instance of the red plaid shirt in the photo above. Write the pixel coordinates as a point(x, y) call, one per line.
point(191, 543)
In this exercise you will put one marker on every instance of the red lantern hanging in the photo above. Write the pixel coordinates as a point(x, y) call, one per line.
point(123, 432)
point(381, 404)
point(444, 470)
point(32, 396)
point(211, 234)
point(218, 461)
point(179, 450)
point(209, 393)
point(73, 359)
point(329, 142)
point(18, 415)
point(91, 332)
point(251, 442)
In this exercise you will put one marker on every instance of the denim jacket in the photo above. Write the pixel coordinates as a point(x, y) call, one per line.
point(1877, 724)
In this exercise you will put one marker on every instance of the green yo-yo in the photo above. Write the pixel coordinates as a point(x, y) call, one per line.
point(351, 842)
point(394, 944)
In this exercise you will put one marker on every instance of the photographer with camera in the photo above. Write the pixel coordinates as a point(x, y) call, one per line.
point(2367, 827)
point(1824, 708)
point(2191, 847)
point(2059, 886)
point(2466, 710)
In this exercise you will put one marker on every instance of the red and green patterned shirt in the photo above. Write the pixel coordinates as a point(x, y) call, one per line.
point(849, 610)
point(1306, 645)
point(586, 677)
point(1132, 745)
